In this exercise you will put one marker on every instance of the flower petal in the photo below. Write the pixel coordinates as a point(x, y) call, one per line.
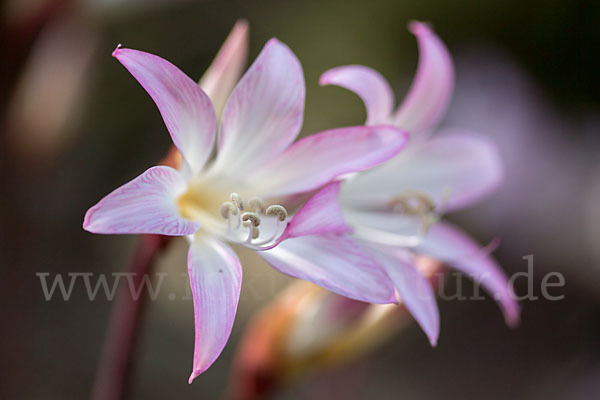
point(321, 214)
point(335, 262)
point(147, 204)
point(367, 83)
point(414, 289)
point(428, 97)
point(216, 279)
point(390, 228)
point(185, 108)
point(224, 72)
point(447, 243)
point(265, 111)
point(455, 170)
point(316, 160)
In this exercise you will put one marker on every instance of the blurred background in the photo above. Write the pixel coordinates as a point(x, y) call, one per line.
point(75, 125)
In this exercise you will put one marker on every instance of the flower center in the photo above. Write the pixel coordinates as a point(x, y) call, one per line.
point(420, 213)
point(199, 205)
point(412, 203)
point(250, 223)
point(415, 204)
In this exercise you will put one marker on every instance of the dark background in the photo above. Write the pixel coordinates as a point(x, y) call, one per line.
point(527, 75)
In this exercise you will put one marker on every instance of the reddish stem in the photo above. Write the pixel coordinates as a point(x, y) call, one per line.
point(111, 382)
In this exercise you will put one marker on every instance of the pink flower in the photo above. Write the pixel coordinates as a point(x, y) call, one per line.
point(229, 198)
point(394, 209)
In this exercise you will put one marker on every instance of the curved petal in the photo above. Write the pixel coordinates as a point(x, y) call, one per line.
point(321, 214)
point(335, 262)
point(414, 289)
point(369, 85)
point(447, 243)
point(216, 279)
point(185, 108)
point(316, 160)
point(454, 170)
point(265, 111)
point(224, 72)
point(429, 95)
point(147, 204)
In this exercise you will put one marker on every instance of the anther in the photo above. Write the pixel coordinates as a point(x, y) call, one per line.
point(413, 203)
point(426, 205)
point(256, 204)
point(228, 208)
point(251, 218)
point(237, 200)
point(276, 210)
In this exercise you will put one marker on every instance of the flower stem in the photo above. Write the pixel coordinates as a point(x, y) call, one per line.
point(112, 377)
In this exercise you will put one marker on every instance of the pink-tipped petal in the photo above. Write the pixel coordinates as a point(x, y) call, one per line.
point(321, 214)
point(185, 108)
point(414, 289)
point(224, 72)
point(147, 204)
point(316, 160)
point(265, 111)
point(455, 169)
point(429, 95)
point(369, 85)
point(335, 262)
point(216, 279)
point(447, 243)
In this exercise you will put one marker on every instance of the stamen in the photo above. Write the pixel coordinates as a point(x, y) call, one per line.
point(253, 231)
point(277, 210)
point(257, 205)
point(228, 208)
point(251, 220)
point(251, 217)
point(237, 200)
point(410, 203)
